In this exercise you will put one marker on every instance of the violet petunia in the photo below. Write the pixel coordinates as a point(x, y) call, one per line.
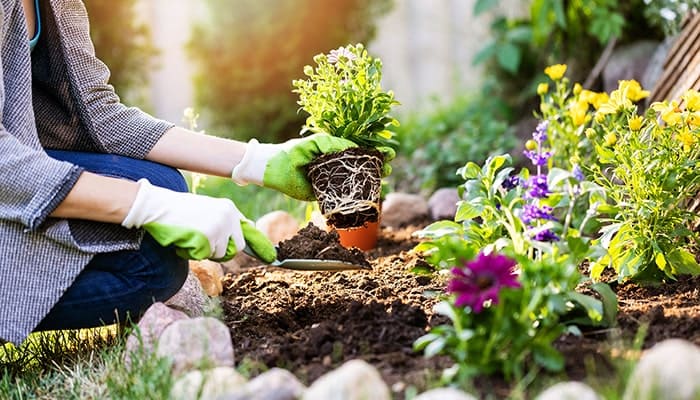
point(481, 280)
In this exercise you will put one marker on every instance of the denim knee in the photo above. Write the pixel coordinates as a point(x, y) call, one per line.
point(166, 273)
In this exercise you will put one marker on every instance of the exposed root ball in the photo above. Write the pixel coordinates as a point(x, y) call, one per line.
point(348, 186)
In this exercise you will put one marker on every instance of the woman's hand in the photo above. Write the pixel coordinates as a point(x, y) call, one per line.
point(281, 166)
point(198, 226)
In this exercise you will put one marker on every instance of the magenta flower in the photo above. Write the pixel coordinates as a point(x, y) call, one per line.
point(481, 280)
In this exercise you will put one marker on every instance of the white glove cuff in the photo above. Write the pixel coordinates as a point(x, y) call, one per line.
point(136, 216)
point(251, 169)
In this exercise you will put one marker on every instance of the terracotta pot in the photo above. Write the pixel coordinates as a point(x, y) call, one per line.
point(363, 237)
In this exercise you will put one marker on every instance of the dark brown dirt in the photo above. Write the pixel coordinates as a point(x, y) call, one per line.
point(312, 322)
point(313, 243)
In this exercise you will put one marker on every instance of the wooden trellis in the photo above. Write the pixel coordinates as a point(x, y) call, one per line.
point(681, 70)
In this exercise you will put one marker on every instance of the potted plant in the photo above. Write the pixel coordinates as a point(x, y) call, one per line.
point(343, 96)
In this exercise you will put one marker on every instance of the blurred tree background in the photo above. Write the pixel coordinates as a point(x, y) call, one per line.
point(248, 52)
point(123, 41)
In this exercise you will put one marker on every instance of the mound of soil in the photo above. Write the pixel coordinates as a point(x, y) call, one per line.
point(312, 242)
point(312, 322)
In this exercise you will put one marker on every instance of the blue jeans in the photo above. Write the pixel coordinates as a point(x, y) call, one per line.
point(120, 286)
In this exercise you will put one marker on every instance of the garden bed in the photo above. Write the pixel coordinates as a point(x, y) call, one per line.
point(312, 322)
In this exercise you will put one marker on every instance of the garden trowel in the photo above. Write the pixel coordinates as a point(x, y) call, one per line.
point(310, 264)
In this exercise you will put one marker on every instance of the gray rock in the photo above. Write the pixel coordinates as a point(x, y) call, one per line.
point(444, 394)
point(208, 384)
point(443, 204)
point(152, 324)
point(196, 343)
point(275, 384)
point(401, 208)
point(191, 298)
point(569, 391)
point(668, 371)
point(628, 62)
point(354, 380)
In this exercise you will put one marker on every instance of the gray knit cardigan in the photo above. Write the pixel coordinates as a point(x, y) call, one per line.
point(54, 97)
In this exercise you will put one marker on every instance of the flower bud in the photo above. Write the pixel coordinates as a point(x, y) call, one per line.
point(531, 145)
point(542, 89)
point(577, 89)
point(610, 139)
point(590, 133)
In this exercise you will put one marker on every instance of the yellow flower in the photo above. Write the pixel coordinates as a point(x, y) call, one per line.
point(635, 123)
point(610, 139)
point(593, 98)
point(687, 138)
point(692, 100)
point(618, 101)
point(694, 119)
point(670, 113)
point(542, 88)
point(633, 90)
point(579, 112)
point(555, 72)
point(577, 89)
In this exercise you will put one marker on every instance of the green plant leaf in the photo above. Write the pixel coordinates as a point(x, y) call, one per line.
point(609, 299)
point(548, 357)
point(482, 6)
point(469, 210)
point(484, 54)
point(508, 57)
point(682, 262)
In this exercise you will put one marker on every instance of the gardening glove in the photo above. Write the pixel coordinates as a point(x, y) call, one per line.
point(198, 226)
point(281, 166)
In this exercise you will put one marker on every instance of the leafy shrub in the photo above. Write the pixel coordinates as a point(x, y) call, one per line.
point(247, 53)
point(434, 144)
point(575, 32)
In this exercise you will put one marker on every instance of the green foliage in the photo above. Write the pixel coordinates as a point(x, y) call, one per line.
point(247, 53)
point(574, 32)
point(650, 168)
point(669, 14)
point(123, 42)
point(515, 333)
point(85, 364)
point(343, 97)
point(542, 222)
point(434, 144)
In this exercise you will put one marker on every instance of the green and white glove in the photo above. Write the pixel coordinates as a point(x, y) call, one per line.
point(198, 226)
point(281, 166)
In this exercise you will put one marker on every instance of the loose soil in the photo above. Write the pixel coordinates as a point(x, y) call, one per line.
point(312, 322)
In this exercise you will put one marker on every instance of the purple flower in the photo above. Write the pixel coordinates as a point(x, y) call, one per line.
point(533, 213)
point(481, 280)
point(538, 186)
point(540, 133)
point(537, 158)
point(546, 235)
point(578, 173)
point(511, 182)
